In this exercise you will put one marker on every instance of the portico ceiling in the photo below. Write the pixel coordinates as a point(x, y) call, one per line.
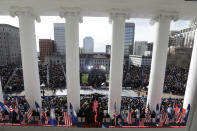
point(138, 8)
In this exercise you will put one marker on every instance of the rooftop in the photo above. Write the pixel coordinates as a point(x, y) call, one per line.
point(138, 8)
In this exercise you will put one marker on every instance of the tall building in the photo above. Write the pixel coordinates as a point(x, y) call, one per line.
point(140, 47)
point(59, 37)
point(108, 49)
point(47, 47)
point(129, 38)
point(183, 38)
point(88, 45)
point(10, 51)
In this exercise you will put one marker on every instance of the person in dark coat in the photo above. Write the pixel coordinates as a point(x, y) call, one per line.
point(100, 117)
point(14, 115)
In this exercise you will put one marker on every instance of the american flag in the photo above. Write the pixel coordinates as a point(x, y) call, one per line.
point(67, 119)
point(44, 115)
point(29, 111)
point(164, 115)
point(148, 115)
point(180, 116)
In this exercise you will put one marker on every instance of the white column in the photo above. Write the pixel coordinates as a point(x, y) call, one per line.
point(117, 57)
point(191, 86)
point(159, 57)
point(29, 54)
point(72, 16)
point(1, 92)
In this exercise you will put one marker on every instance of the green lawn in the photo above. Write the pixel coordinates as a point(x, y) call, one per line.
point(107, 77)
point(85, 78)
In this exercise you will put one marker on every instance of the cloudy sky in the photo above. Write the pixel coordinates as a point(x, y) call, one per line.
point(96, 27)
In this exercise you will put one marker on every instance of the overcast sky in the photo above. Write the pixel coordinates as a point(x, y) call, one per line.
point(96, 27)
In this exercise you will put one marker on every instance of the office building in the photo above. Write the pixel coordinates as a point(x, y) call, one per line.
point(59, 38)
point(139, 61)
point(96, 60)
point(10, 51)
point(88, 45)
point(108, 49)
point(129, 38)
point(47, 47)
point(140, 47)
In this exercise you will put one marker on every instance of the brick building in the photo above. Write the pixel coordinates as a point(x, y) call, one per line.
point(47, 47)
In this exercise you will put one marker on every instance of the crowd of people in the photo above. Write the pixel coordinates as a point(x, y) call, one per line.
point(5, 73)
point(96, 77)
point(138, 77)
point(57, 78)
point(93, 112)
point(53, 77)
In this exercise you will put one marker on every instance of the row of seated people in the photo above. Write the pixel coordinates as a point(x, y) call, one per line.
point(93, 112)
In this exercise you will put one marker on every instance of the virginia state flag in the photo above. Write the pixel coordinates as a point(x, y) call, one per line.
point(73, 115)
point(37, 107)
point(52, 116)
point(138, 115)
point(187, 113)
point(4, 107)
point(157, 114)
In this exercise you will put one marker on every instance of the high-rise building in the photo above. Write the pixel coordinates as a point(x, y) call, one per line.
point(140, 47)
point(88, 45)
point(10, 51)
point(59, 37)
point(129, 38)
point(47, 47)
point(108, 49)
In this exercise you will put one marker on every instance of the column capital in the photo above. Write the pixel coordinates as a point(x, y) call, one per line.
point(170, 15)
point(193, 22)
point(26, 11)
point(71, 11)
point(114, 13)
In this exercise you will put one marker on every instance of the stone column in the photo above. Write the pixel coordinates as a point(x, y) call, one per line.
point(117, 57)
point(72, 17)
point(1, 92)
point(191, 90)
point(159, 57)
point(191, 87)
point(31, 78)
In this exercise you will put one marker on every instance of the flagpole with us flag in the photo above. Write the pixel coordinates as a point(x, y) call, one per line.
point(28, 112)
point(44, 118)
point(67, 118)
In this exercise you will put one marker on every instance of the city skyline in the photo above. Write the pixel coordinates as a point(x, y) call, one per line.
point(96, 27)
